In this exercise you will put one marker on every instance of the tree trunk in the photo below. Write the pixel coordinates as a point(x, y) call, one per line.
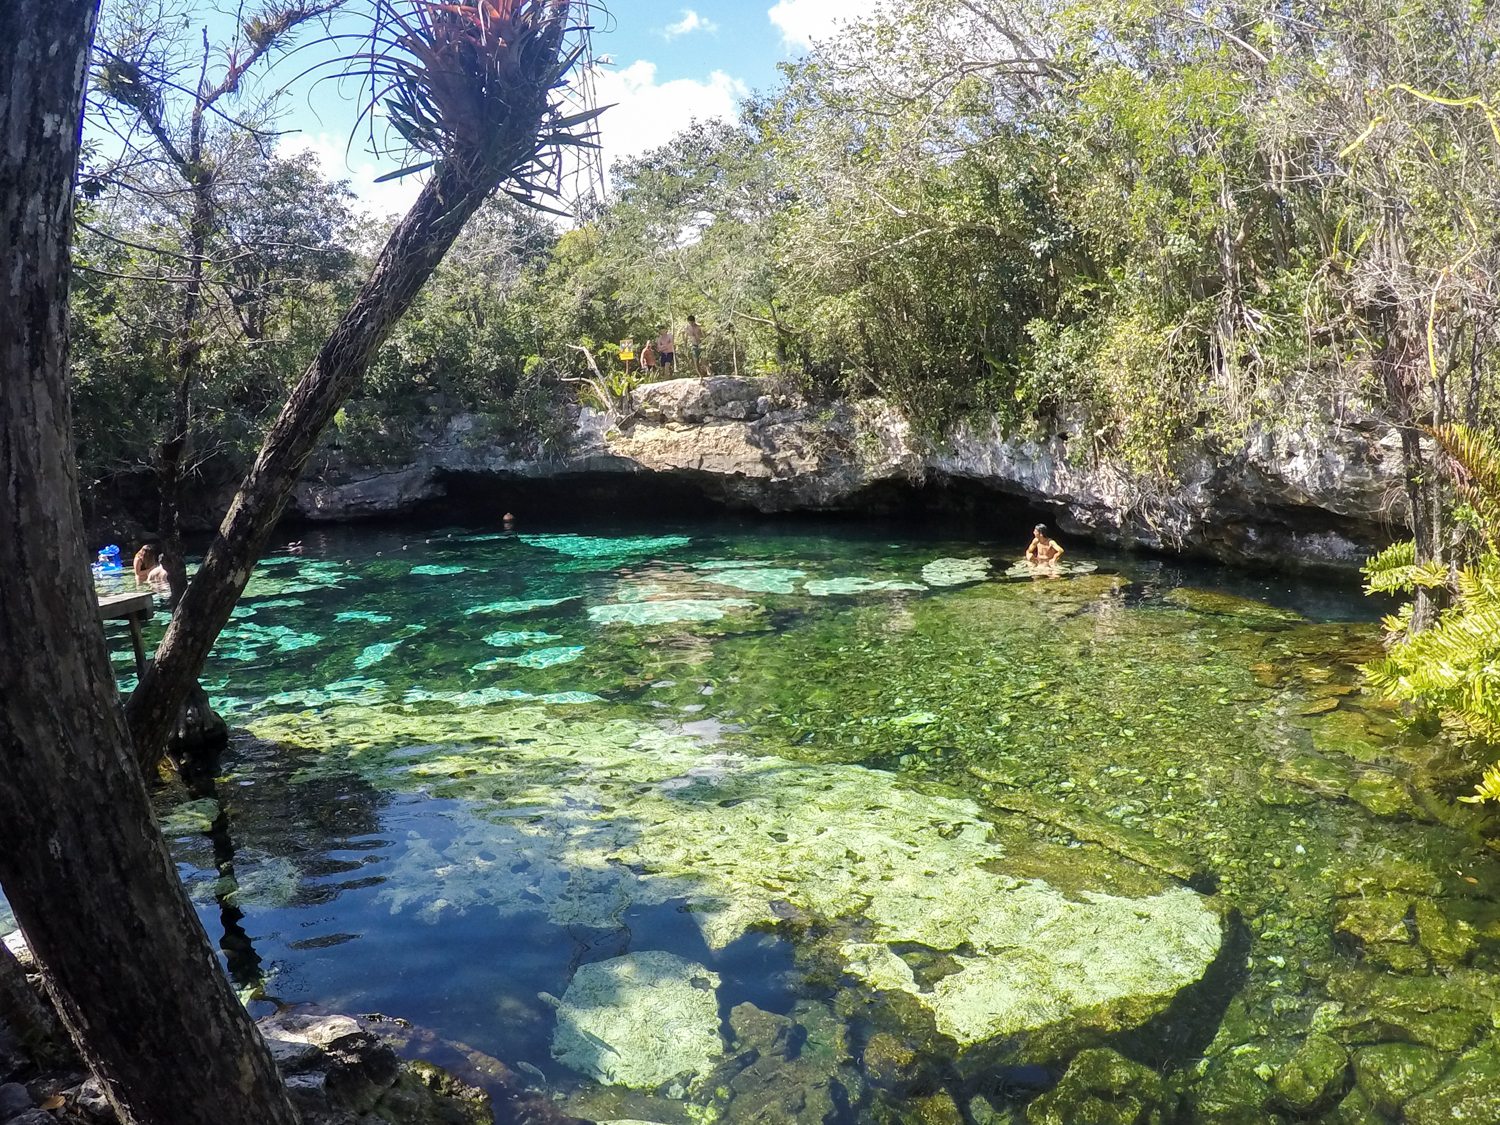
point(81, 859)
point(414, 250)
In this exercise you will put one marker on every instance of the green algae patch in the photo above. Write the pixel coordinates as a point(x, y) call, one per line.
point(764, 580)
point(642, 1020)
point(667, 613)
point(956, 572)
point(519, 606)
point(607, 550)
point(1469, 1093)
point(511, 639)
point(841, 587)
point(1100, 1087)
point(1212, 603)
point(194, 818)
point(1391, 1074)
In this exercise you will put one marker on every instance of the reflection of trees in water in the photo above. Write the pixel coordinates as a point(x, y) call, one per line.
point(275, 819)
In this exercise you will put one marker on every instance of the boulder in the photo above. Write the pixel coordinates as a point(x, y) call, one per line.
point(340, 1071)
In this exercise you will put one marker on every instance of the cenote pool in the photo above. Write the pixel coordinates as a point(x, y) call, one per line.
point(810, 824)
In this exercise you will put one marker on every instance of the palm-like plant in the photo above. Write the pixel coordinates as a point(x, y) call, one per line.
point(473, 91)
point(1452, 668)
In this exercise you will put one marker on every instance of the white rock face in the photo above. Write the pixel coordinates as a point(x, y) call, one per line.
point(1315, 494)
point(641, 1020)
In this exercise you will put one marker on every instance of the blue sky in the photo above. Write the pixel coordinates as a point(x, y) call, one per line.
point(670, 62)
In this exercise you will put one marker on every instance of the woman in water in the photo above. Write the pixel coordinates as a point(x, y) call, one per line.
point(145, 562)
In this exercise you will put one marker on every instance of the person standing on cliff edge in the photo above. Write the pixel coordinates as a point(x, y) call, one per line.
point(666, 349)
point(694, 336)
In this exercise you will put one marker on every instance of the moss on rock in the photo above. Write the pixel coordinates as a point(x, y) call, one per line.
point(1103, 1088)
point(1469, 1093)
point(1391, 1074)
point(1315, 1077)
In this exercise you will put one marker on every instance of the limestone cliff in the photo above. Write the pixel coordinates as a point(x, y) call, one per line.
point(1310, 496)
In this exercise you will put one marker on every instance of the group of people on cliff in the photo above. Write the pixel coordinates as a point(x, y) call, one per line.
point(660, 355)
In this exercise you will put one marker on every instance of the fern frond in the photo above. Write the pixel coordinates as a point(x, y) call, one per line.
point(1396, 570)
point(1488, 788)
point(1474, 464)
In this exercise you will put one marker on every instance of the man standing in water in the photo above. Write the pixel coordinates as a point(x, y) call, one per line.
point(1042, 549)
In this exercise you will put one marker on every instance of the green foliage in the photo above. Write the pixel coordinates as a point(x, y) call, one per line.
point(1452, 668)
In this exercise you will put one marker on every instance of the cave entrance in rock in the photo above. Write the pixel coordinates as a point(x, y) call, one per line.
point(948, 507)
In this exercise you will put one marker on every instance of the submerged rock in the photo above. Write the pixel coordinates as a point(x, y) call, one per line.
point(1445, 1012)
point(1391, 1074)
point(1469, 1093)
point(194, 818)
point(1102, 1088)
point(339, 1071)
point(1029, 959)
point(956, 572)
point(667, 612)
point(1216, 604)
point(1314, 1077)
point(831, 587)
point(642, 1020)
point(851, 860)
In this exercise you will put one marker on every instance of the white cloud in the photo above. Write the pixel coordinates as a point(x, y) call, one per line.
point(647, 114)
point(690, 22)
point(392, 198)
point(803, 22)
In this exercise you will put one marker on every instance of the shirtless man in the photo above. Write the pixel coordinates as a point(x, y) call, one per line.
point(1042, 549)
point(693, 333)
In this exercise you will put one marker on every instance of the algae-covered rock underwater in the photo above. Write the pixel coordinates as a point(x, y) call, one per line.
point(741, 821)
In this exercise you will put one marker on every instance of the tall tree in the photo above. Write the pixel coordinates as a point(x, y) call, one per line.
point(168, 101)
point(470, 89)
point(81, 859)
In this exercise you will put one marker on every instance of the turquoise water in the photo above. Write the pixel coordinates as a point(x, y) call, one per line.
point(904, 838)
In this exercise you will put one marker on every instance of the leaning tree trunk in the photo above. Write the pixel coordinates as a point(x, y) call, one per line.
point(414, 250)
point(81, 859)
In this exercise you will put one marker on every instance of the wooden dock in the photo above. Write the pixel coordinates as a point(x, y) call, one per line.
point(135, 609)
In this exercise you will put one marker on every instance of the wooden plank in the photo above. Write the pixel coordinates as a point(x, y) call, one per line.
point(116, 607)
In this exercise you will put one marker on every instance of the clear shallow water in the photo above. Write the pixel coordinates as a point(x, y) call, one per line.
point(477, 762)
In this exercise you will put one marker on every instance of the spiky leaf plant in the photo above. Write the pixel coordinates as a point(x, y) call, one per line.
point(1453, 668)
point(472, 90)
